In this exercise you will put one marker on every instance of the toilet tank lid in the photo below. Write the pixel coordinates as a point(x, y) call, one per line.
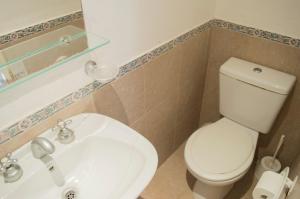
point(258, 75)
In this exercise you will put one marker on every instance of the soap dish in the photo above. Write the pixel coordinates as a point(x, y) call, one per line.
point(102, 73)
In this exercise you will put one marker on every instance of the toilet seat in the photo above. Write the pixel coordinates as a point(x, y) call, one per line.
point(220, 152)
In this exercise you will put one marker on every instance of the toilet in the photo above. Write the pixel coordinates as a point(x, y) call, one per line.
point(220, 153)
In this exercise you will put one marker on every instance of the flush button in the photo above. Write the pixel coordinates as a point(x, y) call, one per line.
point(257, 70)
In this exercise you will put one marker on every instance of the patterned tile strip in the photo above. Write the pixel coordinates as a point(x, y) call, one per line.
point(256, 32)
point(61, 104)
point(40, 27)
point(162, 49)
point(48, 111)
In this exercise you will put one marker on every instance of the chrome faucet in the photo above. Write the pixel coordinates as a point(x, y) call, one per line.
point(10, 170)
point(41, 148)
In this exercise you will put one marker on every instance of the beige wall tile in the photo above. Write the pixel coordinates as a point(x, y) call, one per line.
point(140, 126)
point(108, 102)
point(225, 44)
point(160, 125)
point(185, 127)
point(130, 91)
point(173, 90)
point(161, 79)
point(192, 77)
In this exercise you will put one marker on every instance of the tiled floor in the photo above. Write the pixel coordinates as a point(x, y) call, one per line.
point(173, 181)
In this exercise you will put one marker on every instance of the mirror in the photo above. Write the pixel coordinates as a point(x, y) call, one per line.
point(39, 36)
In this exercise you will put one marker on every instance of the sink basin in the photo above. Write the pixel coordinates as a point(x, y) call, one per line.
point(107, 160)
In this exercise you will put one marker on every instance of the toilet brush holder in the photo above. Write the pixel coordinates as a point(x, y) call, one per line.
point(267, 163)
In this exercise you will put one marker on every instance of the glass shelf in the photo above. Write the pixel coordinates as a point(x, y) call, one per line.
point(29, 59)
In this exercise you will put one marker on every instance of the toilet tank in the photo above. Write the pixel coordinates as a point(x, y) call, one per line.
point(251, 94)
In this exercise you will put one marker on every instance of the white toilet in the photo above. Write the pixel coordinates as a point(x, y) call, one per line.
point(219, 154)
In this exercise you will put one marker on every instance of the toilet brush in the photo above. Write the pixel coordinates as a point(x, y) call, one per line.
point(269, 163)
point(277, 150)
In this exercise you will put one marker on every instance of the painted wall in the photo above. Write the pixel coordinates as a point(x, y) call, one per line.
point(137, 26)
point(16, 14)
point(279, 16)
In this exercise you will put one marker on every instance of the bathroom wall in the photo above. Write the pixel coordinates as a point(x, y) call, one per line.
point(277, 16)
point(15, 14)
point(136, 27)
point(224, 44)
point(165, 94)
point(160, 99)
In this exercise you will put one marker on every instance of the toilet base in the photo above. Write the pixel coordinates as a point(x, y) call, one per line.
point(205, 191)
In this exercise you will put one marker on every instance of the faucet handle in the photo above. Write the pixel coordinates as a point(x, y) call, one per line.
point(6, 158)
point(61, 125)
point(9, 169)
point(65, 135)
point(6, 162)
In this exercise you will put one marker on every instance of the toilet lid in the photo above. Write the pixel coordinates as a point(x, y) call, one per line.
point(221, 147)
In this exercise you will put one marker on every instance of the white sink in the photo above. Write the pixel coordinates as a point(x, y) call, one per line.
point(107, 160)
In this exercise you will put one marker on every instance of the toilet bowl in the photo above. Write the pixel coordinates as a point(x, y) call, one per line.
point(218, 155)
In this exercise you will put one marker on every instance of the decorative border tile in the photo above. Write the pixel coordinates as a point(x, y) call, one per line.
point(256, 32)
point(48, 111)
point(162, 49)
point(63, 103)
point(19, 34)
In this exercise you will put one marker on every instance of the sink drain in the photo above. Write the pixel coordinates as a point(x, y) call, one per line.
point(70, 193)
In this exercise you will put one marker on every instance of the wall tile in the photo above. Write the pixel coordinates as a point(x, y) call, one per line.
point(108, 102)
point(173, 87)
point(192, 77)
point(161, 80)
point(185, 127)
point(130, 91)
point(160, 124)
point(140, 126)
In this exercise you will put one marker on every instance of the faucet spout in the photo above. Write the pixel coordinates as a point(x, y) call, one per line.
point(47, 159)
point(41, 147)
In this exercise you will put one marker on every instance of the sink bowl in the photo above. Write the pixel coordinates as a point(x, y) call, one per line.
point(107, 160)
